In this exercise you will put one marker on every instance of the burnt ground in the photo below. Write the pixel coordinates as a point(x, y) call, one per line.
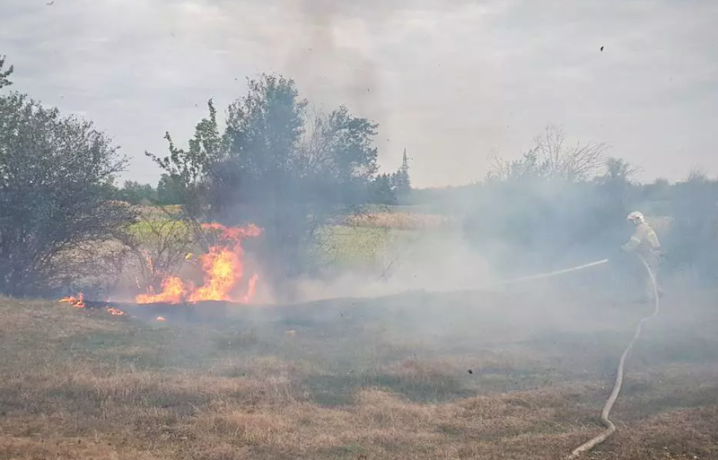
point(512, 375)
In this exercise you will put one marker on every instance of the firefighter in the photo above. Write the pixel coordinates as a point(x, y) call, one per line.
point(645, 243)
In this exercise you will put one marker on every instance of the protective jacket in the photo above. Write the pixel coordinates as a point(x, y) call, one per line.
point(644, 241)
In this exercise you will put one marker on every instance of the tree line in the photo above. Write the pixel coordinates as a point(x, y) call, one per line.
point(281, 163)
point(564, 202)
point(383, 189)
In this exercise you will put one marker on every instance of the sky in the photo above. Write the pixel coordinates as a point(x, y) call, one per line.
point(455, 82)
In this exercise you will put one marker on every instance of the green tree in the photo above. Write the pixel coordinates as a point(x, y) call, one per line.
point(55, 187)
point(138, 194)
point(5, 74)
point(169, 191)
point(190, 169)
point(279, 166)
point(383, 190)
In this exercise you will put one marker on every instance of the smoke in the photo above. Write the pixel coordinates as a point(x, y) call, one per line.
point(441, 82)
point(431, 263)
point(331, 56)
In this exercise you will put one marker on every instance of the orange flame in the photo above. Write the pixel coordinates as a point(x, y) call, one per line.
point(172, 288)
point(76, 302)
point(115, 311)
point(223, 269)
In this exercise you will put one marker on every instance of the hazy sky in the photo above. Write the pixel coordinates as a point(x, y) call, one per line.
point(451, 81)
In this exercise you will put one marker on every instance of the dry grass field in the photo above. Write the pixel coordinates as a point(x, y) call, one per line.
point(415, 376)
point(402, 221)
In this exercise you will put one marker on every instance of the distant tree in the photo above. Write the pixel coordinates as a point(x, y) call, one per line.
point(693, 238)
point(616, 184)
point(402, 180)
point(138, 194)
point(541, 208)
point(383, 190)
point(609, 201)
point(618, 171)
point(5, 74)
point(169, 191)
point(55, 189)
point(658, 190)
point(572, 162)
point(552, 158)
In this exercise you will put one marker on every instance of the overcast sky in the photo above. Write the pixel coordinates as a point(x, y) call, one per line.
point(454, 82)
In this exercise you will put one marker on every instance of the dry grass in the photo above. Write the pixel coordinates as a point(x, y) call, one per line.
point(84, 385)
point(402, 221)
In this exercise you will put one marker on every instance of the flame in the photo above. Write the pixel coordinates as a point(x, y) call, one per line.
point(115, 311)
point(76, 302)
point(222, 267)
point(161, 318)
point(172, 288)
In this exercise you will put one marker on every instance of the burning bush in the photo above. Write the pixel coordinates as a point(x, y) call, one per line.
point(223, 269)
point(277, 165)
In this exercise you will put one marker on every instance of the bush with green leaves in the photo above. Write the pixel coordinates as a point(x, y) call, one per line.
point(55, 192)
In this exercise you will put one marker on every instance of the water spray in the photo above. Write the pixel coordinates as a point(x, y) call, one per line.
point(554, 273)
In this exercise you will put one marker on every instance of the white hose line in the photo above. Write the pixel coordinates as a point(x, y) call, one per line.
point(557, 272)
point(610, 427)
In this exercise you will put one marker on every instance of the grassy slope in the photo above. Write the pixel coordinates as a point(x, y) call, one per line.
point(84, 385)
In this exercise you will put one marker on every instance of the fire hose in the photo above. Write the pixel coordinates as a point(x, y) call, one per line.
point(610, 427)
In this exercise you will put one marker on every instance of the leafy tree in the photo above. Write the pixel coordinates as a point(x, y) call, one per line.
point(169, 190)
point(190, 169)
point(618, 173)
point(383, 190)
point(138, 194)
point(55, 183)
point(5, 74)
point(279, 166)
